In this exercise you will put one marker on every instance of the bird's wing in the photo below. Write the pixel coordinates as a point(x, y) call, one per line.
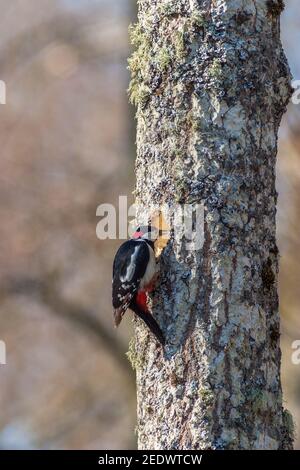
point(129, 267)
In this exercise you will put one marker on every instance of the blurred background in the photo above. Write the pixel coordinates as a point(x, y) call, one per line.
point(67, 145)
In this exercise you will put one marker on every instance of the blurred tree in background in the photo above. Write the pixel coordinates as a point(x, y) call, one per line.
point(64, 134)
point(66, 147)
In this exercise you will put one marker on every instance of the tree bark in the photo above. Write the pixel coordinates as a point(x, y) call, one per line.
point(211, 82)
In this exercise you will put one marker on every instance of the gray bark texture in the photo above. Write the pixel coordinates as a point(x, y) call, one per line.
point(211, 82)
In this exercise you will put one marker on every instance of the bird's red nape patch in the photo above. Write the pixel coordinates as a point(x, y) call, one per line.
point(137, 235)
point(141, 300)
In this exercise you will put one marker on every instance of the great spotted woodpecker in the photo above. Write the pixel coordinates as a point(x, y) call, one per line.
point(134, 271)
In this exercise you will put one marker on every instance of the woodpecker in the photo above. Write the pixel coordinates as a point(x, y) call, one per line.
point(134, 272)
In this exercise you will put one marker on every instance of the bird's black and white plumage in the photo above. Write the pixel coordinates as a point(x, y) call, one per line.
point(134, 269)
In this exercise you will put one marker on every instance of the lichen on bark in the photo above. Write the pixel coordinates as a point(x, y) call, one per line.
point(211, 82)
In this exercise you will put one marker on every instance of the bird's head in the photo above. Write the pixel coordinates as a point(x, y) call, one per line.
point(146, 232)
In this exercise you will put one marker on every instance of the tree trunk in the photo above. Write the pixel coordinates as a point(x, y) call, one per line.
point(211, 82)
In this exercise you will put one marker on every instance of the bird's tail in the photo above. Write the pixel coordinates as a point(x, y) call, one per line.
point(118, 315)
point(150, 322)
